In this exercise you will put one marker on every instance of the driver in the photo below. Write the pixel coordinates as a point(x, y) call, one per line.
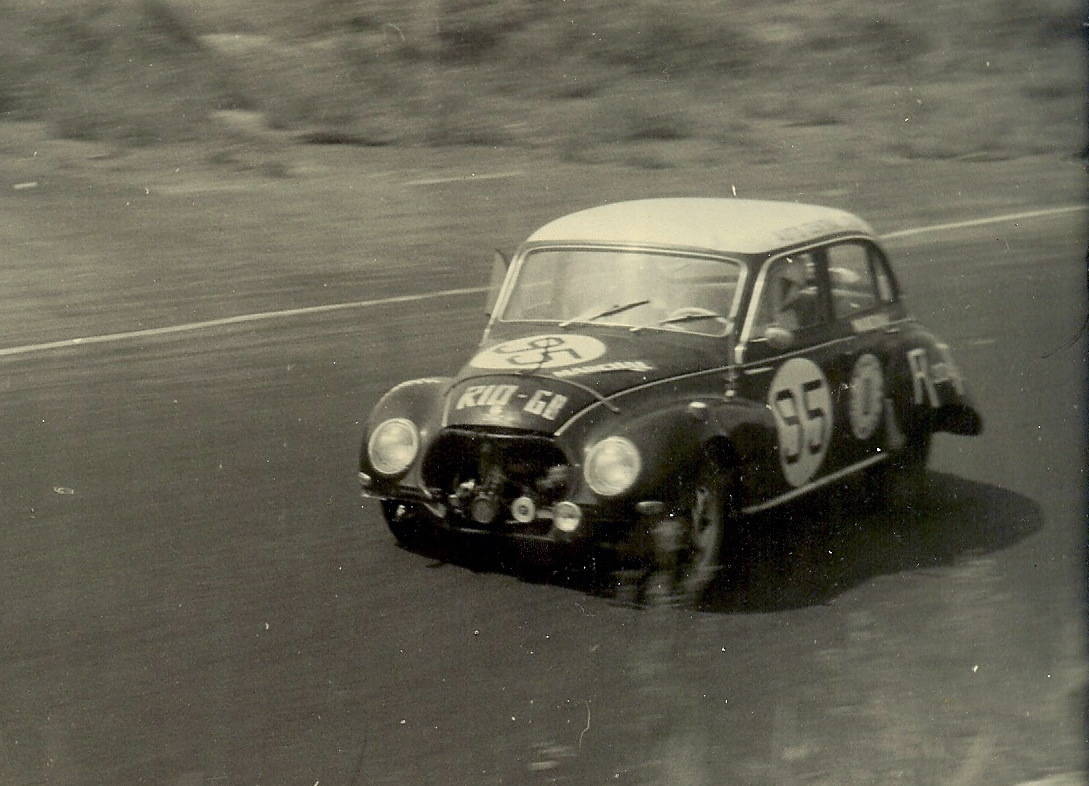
point(788, 284)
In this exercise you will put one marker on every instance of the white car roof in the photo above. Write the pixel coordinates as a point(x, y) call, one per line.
point(742, 226)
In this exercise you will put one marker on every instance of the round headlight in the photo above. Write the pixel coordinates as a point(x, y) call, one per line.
point(393, 445)
point(612, 466)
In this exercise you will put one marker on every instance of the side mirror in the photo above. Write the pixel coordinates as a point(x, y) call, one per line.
point(779, 337)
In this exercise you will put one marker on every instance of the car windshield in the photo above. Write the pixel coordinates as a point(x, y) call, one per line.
point(641, 290)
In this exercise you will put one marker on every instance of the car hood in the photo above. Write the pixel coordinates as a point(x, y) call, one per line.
point(538, 381)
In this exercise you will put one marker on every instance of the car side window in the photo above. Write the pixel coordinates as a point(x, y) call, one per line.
point(790, 297)
point(850, 275)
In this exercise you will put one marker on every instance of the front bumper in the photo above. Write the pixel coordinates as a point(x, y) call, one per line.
point(372, 489)
point(608, 527)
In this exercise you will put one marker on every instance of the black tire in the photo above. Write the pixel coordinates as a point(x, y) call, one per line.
point(409, 523)
point(688, 547)
point(711, 515)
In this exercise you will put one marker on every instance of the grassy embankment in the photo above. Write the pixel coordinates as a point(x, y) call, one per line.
point(644, 82)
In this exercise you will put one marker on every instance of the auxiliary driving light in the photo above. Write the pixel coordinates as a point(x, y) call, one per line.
point(484, 508)
point(523, 510)
point(567, 516)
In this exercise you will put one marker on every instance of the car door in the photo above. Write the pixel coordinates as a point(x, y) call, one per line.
point(786, 348)
point(866, 316)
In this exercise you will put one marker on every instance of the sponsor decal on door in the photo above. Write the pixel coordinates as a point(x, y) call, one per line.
point(867, 391)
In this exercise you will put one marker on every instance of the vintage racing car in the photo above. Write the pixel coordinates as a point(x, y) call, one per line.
point(653, 370)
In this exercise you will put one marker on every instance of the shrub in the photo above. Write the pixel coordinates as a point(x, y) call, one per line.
point(634, 117)
point(460, 122)
point(650, 37)
point(860, 42)
point(467, 31)
point(134, 72)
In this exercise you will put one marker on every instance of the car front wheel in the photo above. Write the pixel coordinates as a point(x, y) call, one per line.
point(409, 523)
point(689, 546)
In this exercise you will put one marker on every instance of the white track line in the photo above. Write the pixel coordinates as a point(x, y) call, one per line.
point(241, 319)
point(295, 312)
point(978, 222)
point(462, 178)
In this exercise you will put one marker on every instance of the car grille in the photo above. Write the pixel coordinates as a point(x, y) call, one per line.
point(481, 473)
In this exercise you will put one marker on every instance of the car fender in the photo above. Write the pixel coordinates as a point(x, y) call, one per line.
point(927, 389)
point(675, 439)
point(745, 439)
point(747, 427)
point(417, 400)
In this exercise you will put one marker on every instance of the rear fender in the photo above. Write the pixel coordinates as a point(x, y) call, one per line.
point(928, 391)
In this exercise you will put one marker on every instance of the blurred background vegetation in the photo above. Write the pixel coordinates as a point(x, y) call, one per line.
point(648, 82)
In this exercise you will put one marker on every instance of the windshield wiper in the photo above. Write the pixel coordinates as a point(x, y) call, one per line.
point(606, 313)
point(692, 317)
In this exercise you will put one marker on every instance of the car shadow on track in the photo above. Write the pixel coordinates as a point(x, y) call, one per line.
point(808, 552)
point(800, 554)
point(535, 563)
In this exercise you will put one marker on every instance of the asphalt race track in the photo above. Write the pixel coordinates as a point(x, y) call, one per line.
point(192, 593)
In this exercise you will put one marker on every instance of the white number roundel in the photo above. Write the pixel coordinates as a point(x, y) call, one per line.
point(802, 406)
point(537, 352)
point(867, 394)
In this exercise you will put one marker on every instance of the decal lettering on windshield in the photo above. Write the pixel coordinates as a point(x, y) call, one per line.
point(800, 232)
point(600, 368)
point(802, 406)
point(540, 352)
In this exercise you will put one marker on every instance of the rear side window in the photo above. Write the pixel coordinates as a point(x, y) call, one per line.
point(855, 288)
